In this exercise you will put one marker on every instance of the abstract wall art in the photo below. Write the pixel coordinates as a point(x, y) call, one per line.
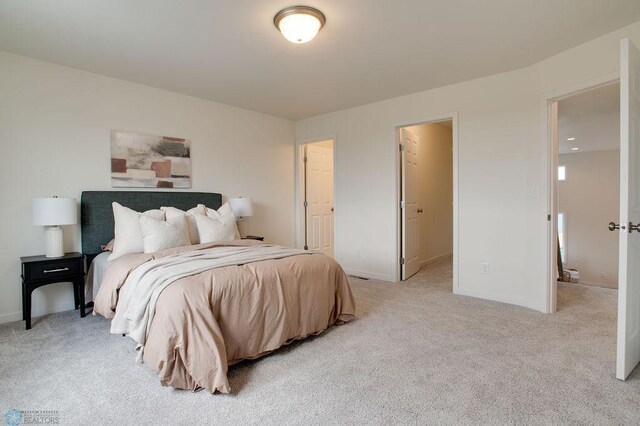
point(148, 161)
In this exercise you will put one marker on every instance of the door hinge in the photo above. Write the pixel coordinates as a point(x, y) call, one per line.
point(402, 204)
point(402, 260)
point(548, 218)
point(401, 147)
point(306, 204)
point(304, 159)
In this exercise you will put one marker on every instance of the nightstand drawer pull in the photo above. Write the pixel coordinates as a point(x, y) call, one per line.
point(46, 271)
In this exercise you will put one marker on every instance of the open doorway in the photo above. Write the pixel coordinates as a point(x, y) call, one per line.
point(317, 196)
point(627, 225)
point(427, 196)
point(588, 186)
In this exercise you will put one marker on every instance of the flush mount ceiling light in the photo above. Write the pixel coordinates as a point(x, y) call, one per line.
point(299, 24)
point(575, 148)
point(571, 139)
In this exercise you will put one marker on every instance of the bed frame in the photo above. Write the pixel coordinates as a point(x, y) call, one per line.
point(96, 212)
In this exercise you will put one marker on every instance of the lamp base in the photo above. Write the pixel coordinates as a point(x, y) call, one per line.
point(243, 226)
point(55, 246)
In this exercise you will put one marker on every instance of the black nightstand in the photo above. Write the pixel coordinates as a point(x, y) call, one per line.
point(41, 270)
point(253, 237)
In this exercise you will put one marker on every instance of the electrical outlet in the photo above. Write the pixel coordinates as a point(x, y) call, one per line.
point(485, 268)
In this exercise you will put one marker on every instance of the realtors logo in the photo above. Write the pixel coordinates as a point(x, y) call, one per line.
point(14, 417)
point(22, 417)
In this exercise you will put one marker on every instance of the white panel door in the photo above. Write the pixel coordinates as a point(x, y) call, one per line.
point(410, 218)
point(628, 348)
point(319, 181)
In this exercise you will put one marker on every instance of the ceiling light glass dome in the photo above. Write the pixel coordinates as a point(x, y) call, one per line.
point(299, 24)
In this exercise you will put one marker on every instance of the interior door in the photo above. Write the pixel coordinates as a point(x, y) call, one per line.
point(410, 145)
point(628, 347)
point(319, 181)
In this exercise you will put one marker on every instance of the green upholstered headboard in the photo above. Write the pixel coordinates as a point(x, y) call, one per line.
point(96, 212)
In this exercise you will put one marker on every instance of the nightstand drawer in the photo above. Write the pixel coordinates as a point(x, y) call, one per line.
point(54, 269)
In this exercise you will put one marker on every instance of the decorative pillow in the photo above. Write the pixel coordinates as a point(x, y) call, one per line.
point(159, 235)
point(172, 212)
point(214, 230)
point(223, 212)
point(128, 235)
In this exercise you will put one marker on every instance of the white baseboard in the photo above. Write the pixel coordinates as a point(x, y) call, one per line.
point(435, 259)
point(597, 284)
point(502, 298)
point(370, 275)
point(37, 311)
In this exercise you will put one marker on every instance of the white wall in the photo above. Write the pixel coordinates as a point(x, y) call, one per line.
point(590, 199)
point(503, 171)
point(54, 131)
point(435, 191)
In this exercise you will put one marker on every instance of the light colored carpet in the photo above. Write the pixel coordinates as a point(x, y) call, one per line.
point(417, 354)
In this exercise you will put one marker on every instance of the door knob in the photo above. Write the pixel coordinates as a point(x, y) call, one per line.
point(613, 226)
point(633, 227)
point(420, 210)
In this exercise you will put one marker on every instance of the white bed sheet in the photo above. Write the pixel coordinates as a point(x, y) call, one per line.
point(94, 276)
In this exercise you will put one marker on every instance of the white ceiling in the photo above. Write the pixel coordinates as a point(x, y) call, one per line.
point(593, 118)
point(229, 51)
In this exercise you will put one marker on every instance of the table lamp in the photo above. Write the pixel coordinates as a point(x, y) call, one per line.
point(242, 208)
point(52, 213)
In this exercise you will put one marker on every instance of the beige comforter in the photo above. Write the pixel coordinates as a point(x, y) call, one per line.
point(207, 321)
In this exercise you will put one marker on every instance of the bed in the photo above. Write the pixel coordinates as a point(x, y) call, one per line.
point(224, 302)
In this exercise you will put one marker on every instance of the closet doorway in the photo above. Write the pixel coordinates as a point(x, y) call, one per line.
point(317, 190)
point(426, 196)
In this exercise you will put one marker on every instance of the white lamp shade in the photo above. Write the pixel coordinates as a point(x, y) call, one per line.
point(55, 211)
point(241, 206)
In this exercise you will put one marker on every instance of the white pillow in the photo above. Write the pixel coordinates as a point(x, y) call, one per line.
point(223, 212)
point(128, 235)
point(159, 235)
point(172, 212)
point(214, 230)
